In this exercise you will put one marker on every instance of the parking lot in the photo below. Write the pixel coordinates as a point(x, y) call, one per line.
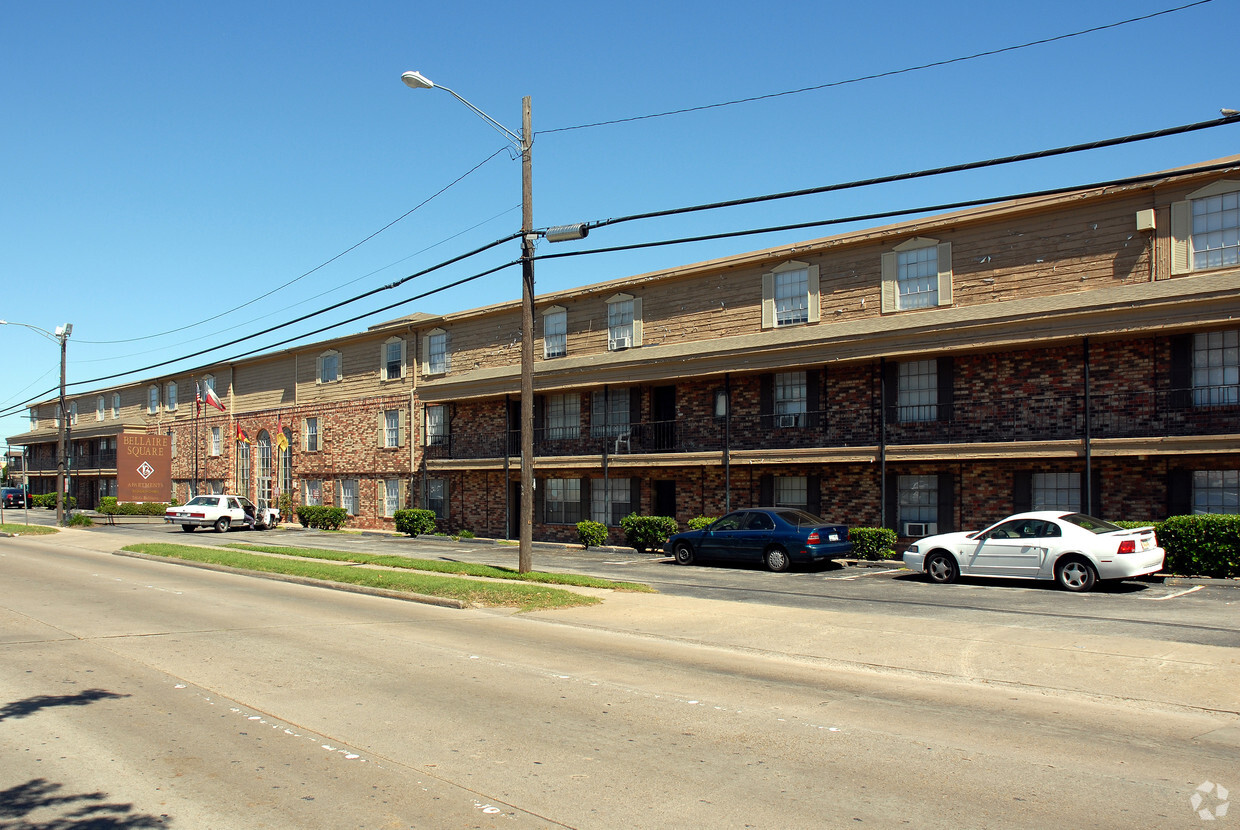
point(1198, 611)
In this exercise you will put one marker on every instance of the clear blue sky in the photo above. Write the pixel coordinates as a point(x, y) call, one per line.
point(167, 162)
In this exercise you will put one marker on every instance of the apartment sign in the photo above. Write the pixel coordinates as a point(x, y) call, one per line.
point(143, 468)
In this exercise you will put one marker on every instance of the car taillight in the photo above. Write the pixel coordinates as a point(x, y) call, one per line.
point(813, 538)
point(1127, 546)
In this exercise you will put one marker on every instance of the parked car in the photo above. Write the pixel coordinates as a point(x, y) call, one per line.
point(222, 512)
point(16, 497)
point(1073, 549)
point(775, 536)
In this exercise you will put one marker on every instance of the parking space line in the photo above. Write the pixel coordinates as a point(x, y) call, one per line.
point(1177, 593)
point(871, 573)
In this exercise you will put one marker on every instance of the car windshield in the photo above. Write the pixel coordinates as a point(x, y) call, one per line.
point(1090, 523)
point(203, 501)
point(800, 518)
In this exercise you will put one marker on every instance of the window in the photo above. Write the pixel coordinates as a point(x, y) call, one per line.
point(437, 426)
point(329, 367)
point(618, 491)
point(347, 496)
point(1216, 368)
point(789, 399)
point(116, 405)
point(917, 274)
point(918, 499)
point(312, 492)
point(285, 447)
point(34, 418)
point(436, 498)
point(790, 295)
point(170, 396)
point(312, 435)
point(208, 382)
point(152, 400)
point(264, 466)
point(918, 392)
point(1216, 491)
point(392, 361)
point(609, 413)
point(73, 413)
point(555, 331)
point(562, 501)
point(217, 444)
point(563, 416)
point(243, 469)
point(391, 497)
point(1057, 491)
point(792, 491)
point(390, 428)
point(100, 408)
point(1205, 229)
point(435, 347)
point(172, 444)
point(624, 322)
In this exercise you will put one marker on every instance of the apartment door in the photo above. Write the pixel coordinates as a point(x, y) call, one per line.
point(663, 417)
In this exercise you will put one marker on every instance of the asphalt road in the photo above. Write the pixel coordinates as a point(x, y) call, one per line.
point(150, 694)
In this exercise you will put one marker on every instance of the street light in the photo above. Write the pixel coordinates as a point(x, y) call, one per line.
point(61, 335)
point(524, 144)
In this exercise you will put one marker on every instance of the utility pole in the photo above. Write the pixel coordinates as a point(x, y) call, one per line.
point(526, 536)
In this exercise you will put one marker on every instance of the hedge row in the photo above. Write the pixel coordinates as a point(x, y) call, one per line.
point(323, 518)
point(48, 500)
point(1204, 545)
point(109, 507)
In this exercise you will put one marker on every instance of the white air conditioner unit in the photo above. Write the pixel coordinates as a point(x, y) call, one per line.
point(618, 344)
point(920, 528)
point(784, 421)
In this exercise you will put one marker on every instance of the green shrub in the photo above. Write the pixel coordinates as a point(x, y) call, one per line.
point(80, 520)
point(48, 500)
point(323, 518)
point(416, 522)
point(701, 522)
point(873, 542)
point(465, 534)
point(647, 532)
point(108, 506)
point(591, 534)
point(1204, 545)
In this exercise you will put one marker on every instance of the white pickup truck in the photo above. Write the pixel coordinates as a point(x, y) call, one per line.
point(222, 512)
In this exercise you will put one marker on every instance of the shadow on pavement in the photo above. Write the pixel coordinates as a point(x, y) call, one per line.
point(77, 811)
point(27, 707)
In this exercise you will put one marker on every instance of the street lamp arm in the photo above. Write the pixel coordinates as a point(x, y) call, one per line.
point(416, 80)
point(43, 332)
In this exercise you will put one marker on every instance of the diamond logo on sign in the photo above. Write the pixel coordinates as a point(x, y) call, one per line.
point(146, 470)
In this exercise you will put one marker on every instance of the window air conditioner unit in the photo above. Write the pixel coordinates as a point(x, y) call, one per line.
point(786, 421)
point(920, 528)
point(618, 344)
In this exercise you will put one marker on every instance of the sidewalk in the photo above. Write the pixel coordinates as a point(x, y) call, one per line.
point(1147, 672)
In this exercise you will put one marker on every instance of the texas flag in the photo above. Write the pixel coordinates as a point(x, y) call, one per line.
point(213, 399)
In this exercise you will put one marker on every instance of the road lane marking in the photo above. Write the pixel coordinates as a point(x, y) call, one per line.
point(869, 573)
point(1177, 593)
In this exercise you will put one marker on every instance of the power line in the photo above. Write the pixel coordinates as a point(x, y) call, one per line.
point(318, 267)
point(887, 74)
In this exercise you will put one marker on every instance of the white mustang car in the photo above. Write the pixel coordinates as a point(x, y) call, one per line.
point(222, 512)
point(1073, 549)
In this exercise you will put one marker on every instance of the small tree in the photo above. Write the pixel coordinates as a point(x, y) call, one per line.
point(591, 534)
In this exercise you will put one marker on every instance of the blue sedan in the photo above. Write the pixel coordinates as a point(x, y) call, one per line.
point(775, 536)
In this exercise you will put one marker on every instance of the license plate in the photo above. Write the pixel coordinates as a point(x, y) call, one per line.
point(833, 537)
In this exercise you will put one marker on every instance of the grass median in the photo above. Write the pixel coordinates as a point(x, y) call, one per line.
point(27, 530)
point(510, 594)
point(445, 567)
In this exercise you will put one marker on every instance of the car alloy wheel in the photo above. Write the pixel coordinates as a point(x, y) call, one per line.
point(1075, 575)
point(683, 553)
point(941, 568)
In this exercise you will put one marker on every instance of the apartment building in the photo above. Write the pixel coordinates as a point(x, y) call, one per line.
point(1075, 351)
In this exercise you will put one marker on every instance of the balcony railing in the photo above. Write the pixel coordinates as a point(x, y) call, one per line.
point(1155, 414)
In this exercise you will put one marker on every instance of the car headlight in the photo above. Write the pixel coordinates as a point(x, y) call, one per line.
point(912, 549)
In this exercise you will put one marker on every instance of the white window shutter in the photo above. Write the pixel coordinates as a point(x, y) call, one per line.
point(426, 354)
point(815, 301)
point(637, 321)
point(889, 294)
point(400, 432)
point(944, 255)
point(382, 442)
point(768, 300)
point(1181, 232)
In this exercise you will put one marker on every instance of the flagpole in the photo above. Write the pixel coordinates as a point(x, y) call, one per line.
point(197, 431)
